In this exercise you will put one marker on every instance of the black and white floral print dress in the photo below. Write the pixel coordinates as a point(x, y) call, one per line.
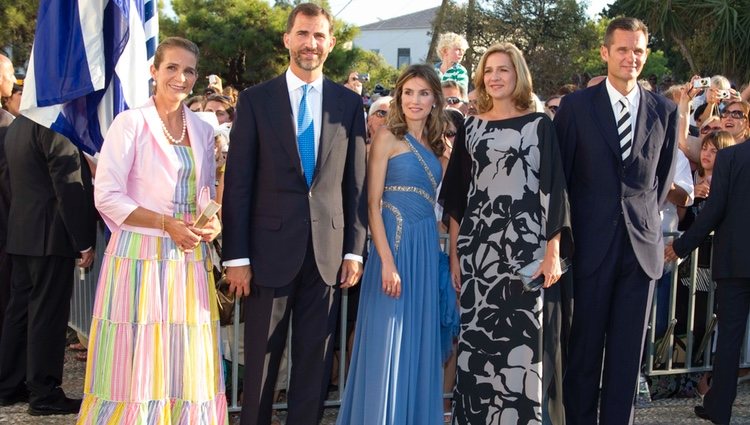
point(506, 187)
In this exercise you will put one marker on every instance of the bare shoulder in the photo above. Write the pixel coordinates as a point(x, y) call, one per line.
point(386, 145)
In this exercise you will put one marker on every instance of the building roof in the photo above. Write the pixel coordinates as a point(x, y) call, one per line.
point(421, 19)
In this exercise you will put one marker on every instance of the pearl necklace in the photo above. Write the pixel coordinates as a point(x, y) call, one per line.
point(171, 139)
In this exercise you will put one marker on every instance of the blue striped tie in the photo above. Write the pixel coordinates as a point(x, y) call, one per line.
point(306, 137)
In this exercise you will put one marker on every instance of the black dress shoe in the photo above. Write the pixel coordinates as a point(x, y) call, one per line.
point(17, 397)
point(701, 412)
point(62, 406)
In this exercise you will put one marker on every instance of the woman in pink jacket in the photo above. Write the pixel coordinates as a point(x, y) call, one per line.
point(153, 352)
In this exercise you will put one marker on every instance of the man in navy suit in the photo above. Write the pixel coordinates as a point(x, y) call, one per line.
point(726, 212)
point(295, 217)
point(618, 146)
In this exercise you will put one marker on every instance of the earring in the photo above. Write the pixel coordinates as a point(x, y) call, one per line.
point(153, 83)
point(433, 106)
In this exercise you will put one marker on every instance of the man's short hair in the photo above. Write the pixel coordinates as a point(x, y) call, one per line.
point(626, 24)
point(449, 84)
point(308, 9)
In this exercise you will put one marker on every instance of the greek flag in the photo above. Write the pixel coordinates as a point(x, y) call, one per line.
point(90, 61)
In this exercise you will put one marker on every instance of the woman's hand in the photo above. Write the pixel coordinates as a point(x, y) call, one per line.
point(210, 231)
point(455, 267)
point(391, 280)
point(181, 233)
point(712, 96)
point(550, 268)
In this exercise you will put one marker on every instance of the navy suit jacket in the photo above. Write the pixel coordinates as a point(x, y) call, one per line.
point(269, 213)
point(726, 211)
point(603, 190)
point(52, 205)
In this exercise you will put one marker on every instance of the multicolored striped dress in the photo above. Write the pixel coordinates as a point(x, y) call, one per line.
point(154, 355)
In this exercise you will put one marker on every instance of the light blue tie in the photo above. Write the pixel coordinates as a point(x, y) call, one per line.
point(306, 137)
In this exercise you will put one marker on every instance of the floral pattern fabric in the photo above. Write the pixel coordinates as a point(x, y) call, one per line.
point(512, 205)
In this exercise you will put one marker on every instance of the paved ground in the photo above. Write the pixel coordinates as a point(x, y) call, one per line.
point(670, 411)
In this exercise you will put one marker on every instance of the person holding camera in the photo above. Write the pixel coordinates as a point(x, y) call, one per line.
point(354, 82)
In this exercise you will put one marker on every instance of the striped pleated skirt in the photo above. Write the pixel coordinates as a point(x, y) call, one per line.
point(154, 355)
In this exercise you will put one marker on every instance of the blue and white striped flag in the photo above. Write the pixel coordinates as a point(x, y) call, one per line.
point(90, 61)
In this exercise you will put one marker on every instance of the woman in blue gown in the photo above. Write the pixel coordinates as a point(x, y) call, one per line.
point(396, 367)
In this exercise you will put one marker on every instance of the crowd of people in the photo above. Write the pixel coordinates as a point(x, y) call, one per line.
point(555, 211)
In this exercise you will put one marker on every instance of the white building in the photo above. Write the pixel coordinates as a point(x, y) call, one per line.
point(402, 40)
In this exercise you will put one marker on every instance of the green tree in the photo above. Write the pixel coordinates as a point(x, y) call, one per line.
point(242, 40)
point(374, 64)
point(17, 26)
point(546, 31)
point(239, 40)
point(711, 36)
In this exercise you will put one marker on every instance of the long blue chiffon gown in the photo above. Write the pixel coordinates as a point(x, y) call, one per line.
point(396, 373)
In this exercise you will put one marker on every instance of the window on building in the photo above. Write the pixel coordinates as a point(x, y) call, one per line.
point(404, 57)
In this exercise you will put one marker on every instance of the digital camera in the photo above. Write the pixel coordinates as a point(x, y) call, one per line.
point(702, 83)
point(722, 94)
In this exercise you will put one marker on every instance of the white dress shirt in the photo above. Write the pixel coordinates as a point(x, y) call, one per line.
point(315, 100)
point(634, 99)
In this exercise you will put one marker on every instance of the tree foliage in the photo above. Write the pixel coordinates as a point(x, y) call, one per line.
point(17, 25)
point(552, 34)
point(709, 36)
point(242, 40)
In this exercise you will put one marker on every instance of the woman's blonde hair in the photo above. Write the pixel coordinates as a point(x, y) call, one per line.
point(450, 39)
point(433, 131)
point(522, 93)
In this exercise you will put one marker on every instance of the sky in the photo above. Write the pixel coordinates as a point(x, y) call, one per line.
point(361, 12)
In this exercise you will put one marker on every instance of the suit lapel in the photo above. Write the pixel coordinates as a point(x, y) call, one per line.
point(282, 119)
point(647, 115)
point(604, 117)
point(330, 124)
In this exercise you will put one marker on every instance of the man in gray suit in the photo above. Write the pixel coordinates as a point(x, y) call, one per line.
point(294, 218)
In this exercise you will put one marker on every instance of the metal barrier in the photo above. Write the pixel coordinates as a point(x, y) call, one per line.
point(660, 354)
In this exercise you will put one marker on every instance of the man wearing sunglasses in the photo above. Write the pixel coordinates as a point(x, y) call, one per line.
point(455, 96)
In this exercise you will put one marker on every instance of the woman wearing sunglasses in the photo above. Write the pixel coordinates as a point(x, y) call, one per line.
point(735, 119)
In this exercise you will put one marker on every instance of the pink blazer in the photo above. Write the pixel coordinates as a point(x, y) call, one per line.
point(138, 167)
